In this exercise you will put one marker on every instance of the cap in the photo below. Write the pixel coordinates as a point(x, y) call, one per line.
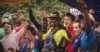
point(55, 15)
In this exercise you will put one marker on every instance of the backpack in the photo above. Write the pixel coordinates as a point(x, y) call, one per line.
point(88, 42)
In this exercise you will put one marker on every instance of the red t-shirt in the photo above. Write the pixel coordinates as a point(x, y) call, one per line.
point(70, 44)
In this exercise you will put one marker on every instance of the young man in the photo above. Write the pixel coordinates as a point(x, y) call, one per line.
point(2, 33)
point(57, 31)
point(68, 21)
point(77, 27)
point(88, 38)
point(12, 39)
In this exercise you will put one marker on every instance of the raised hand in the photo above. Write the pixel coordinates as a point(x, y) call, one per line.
point(82, 3)
point(29, 35)
point(20, 15)
point(29, 6)
point(43, 13)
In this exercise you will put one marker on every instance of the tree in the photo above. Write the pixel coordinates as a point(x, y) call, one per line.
point(37, 6)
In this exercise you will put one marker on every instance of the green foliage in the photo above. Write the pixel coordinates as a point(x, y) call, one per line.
point(37, 6)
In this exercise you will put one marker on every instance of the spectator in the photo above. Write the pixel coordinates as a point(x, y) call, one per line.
point(2, 33)
point(12, 39)
point(68, 21)
point(59, 33)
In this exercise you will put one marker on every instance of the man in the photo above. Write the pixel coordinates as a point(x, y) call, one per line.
point(68, 21)
point(77, 27)
point(12, 39)
point(57, 31)
point(2, 34)
point(88, 38)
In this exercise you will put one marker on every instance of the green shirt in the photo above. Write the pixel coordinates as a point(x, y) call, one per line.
point(2, 33)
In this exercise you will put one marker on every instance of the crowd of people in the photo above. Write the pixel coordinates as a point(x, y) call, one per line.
point(53, 35)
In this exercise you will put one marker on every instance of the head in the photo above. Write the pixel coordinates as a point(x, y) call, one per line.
point(18, 22)
point(57, 15)
point(4, 19)
point(68, 19)
point(77, 28)
point(45, 25)
point(53, 21)
point(81, 18)
point(97, 26)
point(7, 27)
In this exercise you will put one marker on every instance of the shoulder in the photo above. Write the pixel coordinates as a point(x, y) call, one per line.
point(3, 39)
point(92, 31)
point(90, 35)
point(62, 31)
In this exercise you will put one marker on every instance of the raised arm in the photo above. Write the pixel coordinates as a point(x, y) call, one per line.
point(87, 21)
point(32, 18)
point(86, 15)
point(29, 35)
point(39, 34)
point(21, 32)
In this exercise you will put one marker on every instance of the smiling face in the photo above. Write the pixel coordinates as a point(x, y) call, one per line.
point(7, 27)
point(77, 28)
point(53, 23)
point(67, 21)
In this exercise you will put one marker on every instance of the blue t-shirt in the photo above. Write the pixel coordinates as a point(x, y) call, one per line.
point(77, 42)
point(87, 42)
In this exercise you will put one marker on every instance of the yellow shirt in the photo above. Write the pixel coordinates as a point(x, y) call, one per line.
point(57, 36)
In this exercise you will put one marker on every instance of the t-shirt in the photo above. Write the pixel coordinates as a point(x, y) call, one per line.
point(2, 33)
point(88, 41)
point(70, 43)
point(57, 36)
point(12, 40)
point(23, 38)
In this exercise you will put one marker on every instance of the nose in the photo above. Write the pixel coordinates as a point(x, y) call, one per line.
point(6, 25)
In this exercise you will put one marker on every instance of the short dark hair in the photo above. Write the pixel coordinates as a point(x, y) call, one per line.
point(7, 23)
point(78, 21)
point(2, 23)
point(80, 17)
point(70, 15)
point(18, 22)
